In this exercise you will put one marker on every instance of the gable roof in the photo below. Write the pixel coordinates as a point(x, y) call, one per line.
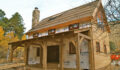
point(72, 14)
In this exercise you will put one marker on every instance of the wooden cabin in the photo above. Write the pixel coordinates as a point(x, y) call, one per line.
point(74, 39)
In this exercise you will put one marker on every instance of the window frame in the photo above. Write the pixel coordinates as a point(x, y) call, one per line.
point(50, 32)
point(72, 49)
point(105, 49)
point(98, 47)
point(100, 20)
point(72, 26)
point(35, 35)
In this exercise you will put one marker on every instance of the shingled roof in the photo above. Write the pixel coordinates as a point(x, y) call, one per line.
point(72, 14)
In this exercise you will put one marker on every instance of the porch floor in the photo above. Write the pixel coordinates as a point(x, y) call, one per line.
point(50, 66)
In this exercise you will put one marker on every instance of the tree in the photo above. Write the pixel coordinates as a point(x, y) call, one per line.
point(112, 46)
point(112, 9)
point(3, 43)
point(24, 37)
point(16, 25)
point(4, 21)
point(10, 30)
point(2, 14)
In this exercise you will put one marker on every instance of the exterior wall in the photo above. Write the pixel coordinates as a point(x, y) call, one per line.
point(33, 59)
point(69, 59)
point(60, 30)
point(101, 59)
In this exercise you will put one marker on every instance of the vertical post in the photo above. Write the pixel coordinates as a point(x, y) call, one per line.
point(11, 53)
point(78, 52)
point(78, 55)
point(91, 50)
point(91, 56)
point(61, 56)
point(26, 49)
point(41, 55)
point(44, 57)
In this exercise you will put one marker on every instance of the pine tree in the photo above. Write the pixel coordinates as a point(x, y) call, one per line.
point(16, 25)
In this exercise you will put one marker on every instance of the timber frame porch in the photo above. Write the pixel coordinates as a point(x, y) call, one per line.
point(57, 38)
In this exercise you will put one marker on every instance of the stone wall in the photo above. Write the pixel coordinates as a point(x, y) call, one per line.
point(33, 59)
point(69, 59)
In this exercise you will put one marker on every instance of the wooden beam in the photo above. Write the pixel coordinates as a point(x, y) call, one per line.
point(78, 52)
point(10, 54)
point(74, 43)
point(41, 55)
point(85, 36)
point(61, 55)
point(81, 20)
point(26, 53)
point(44, 56)
point(14, 47)
point(81, 30)
point(37, 44)
point(91, 52)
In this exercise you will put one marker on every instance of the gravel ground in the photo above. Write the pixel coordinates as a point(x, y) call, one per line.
point(110, 67)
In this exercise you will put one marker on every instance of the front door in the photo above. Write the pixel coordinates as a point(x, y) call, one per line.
point(53, 54)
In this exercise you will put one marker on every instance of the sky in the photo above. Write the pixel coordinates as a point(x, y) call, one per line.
point(46, 7)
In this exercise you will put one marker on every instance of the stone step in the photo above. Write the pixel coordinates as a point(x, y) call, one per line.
point(52, 65)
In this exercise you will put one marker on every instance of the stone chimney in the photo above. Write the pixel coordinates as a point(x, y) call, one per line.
point(35, 17)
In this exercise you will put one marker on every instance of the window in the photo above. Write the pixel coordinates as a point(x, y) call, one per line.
point(74, 26)
point(38, 52)
point(100, 23)
point(97, 47)
point(105, 49)
point(72, 49)
point(100, 20)
point(35, 35)
point(51, 32)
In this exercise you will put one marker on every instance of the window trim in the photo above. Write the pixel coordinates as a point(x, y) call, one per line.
point(105, 49)
point(71, 27)
point(72, 49)
point(98, 47)
point(35, 35)
point(51, 33)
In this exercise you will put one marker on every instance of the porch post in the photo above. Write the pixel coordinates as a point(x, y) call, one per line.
point(77, 57)
point(61, 56)
point(26, 49)
point(11, 53)
point(91, 50)
point(41, 55)
point(78, 52)
point(44, 56)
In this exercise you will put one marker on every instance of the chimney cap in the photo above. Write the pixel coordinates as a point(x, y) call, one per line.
point(36, 7)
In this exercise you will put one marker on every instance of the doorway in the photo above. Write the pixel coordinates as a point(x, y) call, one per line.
point(53, 54)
